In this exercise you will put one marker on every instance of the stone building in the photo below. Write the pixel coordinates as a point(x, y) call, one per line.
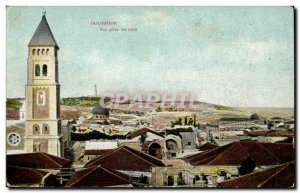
point(154, 143)
point(173, 146)
point(36, 170)
point(100, 115)
point(208, 168)
point(124, 159)
point(43, 125)
point(99, 176)
point(15, 139)
point(22, 111)
point(188, 135)
point(191, 176)
point(236, 123)
point(282, 176)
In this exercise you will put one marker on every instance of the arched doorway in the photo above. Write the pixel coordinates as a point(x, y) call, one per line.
point(155, 150)
point(172, 148)
point(222, 175)
point(185, 178)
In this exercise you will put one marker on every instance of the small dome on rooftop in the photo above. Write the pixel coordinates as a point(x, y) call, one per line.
point(98, 110)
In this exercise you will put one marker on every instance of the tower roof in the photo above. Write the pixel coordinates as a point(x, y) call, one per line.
point(43, 35)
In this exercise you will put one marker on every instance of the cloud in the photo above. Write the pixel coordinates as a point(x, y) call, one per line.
point(235, 73)
point(13, 17)
point(157, 19)
point(207, 31)
point(123, 20)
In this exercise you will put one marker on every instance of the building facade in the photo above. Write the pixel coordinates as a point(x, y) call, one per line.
point(42, 126)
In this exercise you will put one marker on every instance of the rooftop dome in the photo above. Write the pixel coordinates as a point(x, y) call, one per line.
point(97, 110)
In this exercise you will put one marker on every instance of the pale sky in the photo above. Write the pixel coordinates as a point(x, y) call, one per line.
point(235, 56)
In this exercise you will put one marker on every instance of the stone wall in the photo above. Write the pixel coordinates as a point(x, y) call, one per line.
point(192, 174)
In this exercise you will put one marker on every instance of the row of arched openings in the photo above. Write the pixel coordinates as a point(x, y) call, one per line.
point(40, 51)
point(45, 129)
point(38, 70)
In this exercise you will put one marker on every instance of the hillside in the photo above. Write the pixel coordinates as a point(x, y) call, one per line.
point(205, 113)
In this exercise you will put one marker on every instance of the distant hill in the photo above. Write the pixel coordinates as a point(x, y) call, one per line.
point(73, 107)
point(269, 112)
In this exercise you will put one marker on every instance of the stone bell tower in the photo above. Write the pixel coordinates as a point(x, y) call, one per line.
point(43, 125)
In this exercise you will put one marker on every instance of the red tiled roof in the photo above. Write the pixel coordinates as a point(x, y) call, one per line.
point(139, 132)
point(232, 154)
point(96, 151)
point(98, 176)
point(284, 151)
point(19, 175)
point(126, 158)
point(12, 115)
point(207, 146)
point(282, 176)
point(37, 160)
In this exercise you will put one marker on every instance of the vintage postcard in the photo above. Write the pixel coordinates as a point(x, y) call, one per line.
point(150, 97)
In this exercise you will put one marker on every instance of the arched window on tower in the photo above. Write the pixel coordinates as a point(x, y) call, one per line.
point(38, 52)
point(36, 147)
point(45, 129)
point(33, 51)
point(43, 50)
point(45, 70)
point(37, 70)
point(47, 51)
point(36, 129)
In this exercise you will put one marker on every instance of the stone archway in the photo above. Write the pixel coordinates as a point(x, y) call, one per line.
point(155, 150)
point(222, 175)
point(184, 178)
point(172, 148)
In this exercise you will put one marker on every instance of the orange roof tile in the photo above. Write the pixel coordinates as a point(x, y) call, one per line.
point(19, 175)
point(36, 160)
point(282, 176)
point(126, 158)
point(232, 154)
point(98, 176)
point(207, 146)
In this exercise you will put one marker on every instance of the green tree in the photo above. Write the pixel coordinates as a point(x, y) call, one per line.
point(247, 166)
point(190, 121)
point(180, 121)
point(185, 120)
point(158, 109)
point(143, 138)
point(270, 125)
point(254, 117)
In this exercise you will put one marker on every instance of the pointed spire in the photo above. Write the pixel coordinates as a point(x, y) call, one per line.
point(44, 12)
point(43, 35)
